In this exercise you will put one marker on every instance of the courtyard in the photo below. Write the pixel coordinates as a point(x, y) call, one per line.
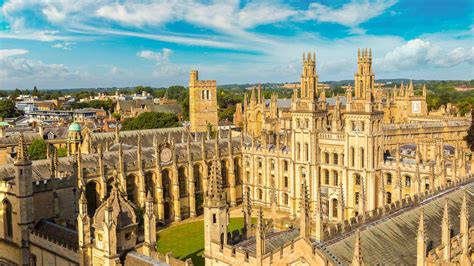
point(186, 240)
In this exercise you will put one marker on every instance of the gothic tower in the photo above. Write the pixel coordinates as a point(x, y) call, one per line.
point(202, 103)
point(308, 119)
point(364, 78)
point(215, 212)
point(363, 128)
point(24, 200)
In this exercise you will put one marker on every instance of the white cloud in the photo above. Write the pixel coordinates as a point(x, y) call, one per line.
point(351, 14)
point(16, 71)
point(116, 71)
point(63, 46)
point(163, 66)
point(158, 57)
point(420, 53)
point(11, 52)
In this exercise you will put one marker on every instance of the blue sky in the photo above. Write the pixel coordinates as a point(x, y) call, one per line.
point(102, 43)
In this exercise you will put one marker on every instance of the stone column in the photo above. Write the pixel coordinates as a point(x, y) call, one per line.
point(191, 190)
point(176, 196)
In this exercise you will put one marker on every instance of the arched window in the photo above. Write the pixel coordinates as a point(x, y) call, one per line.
point(362, 158)
point(92, 197)
point(389, 179)
point(389, 197)
point(335, 158)
point(326, 157)
point(298, 151)
point(285, 199)
point(224, 173)
point(407, 181)
point(237, 171)
point(335, 178)
point(150, 184)
point(260, 194)
point(352, 154)
point(7, 218)
point(357, 179)
point(165, 179)
point(427, 184)
point(260, 179)
point(334, 208)
point(272, 164)
point(132, 191)
point(306, 152)
point(285, 180)
point(182, 181)
point(326, 177)
point(260, 163)
point(197, 178)
point(356, 197)
point(285, 165)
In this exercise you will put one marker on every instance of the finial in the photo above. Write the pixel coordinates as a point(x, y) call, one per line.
point(22, 153)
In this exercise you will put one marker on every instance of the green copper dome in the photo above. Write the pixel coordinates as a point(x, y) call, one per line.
point(75, 127)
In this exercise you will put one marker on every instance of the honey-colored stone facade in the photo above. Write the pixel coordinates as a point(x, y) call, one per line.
point(202, 103)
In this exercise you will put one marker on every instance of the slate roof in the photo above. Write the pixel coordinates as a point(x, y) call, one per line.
point(273, 241)
point(400, 232)
point(58, 233)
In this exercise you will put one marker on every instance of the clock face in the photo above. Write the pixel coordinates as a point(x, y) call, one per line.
point(165, 155)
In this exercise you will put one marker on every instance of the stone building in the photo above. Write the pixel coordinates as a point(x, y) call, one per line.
point(331, 166)
point(202, 103)
point(345, 141)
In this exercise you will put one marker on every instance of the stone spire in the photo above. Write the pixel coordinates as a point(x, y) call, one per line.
point(215, 194)
point(464, 222)
point(117, 133)
point(22, 156)
point(319, 232)
point(83, 222)
point(421, 241)
point(247, 210)
point(357, 256)
point(260, 237)
point(446, 232)
point(149, 221)
point(305, 230)
point(340, 204)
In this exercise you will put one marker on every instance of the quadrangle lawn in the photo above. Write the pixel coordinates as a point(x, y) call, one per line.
point(187, 240)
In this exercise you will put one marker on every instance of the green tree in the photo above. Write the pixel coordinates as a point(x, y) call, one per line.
point(37, 149)
point(470, 133)
point(62, 152)
point(8, 109)
point(151, 120)
point(35, 91)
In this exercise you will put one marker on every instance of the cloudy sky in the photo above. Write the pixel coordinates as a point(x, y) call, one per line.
point(102, 43)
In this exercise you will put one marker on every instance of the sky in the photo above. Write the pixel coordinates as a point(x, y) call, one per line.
point(58, 44)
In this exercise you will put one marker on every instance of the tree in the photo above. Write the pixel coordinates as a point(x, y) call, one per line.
point(469, 138)
point(62, 152)
point(38, 149)
point(151, 120)
point(8, 109)
point(35, 91)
